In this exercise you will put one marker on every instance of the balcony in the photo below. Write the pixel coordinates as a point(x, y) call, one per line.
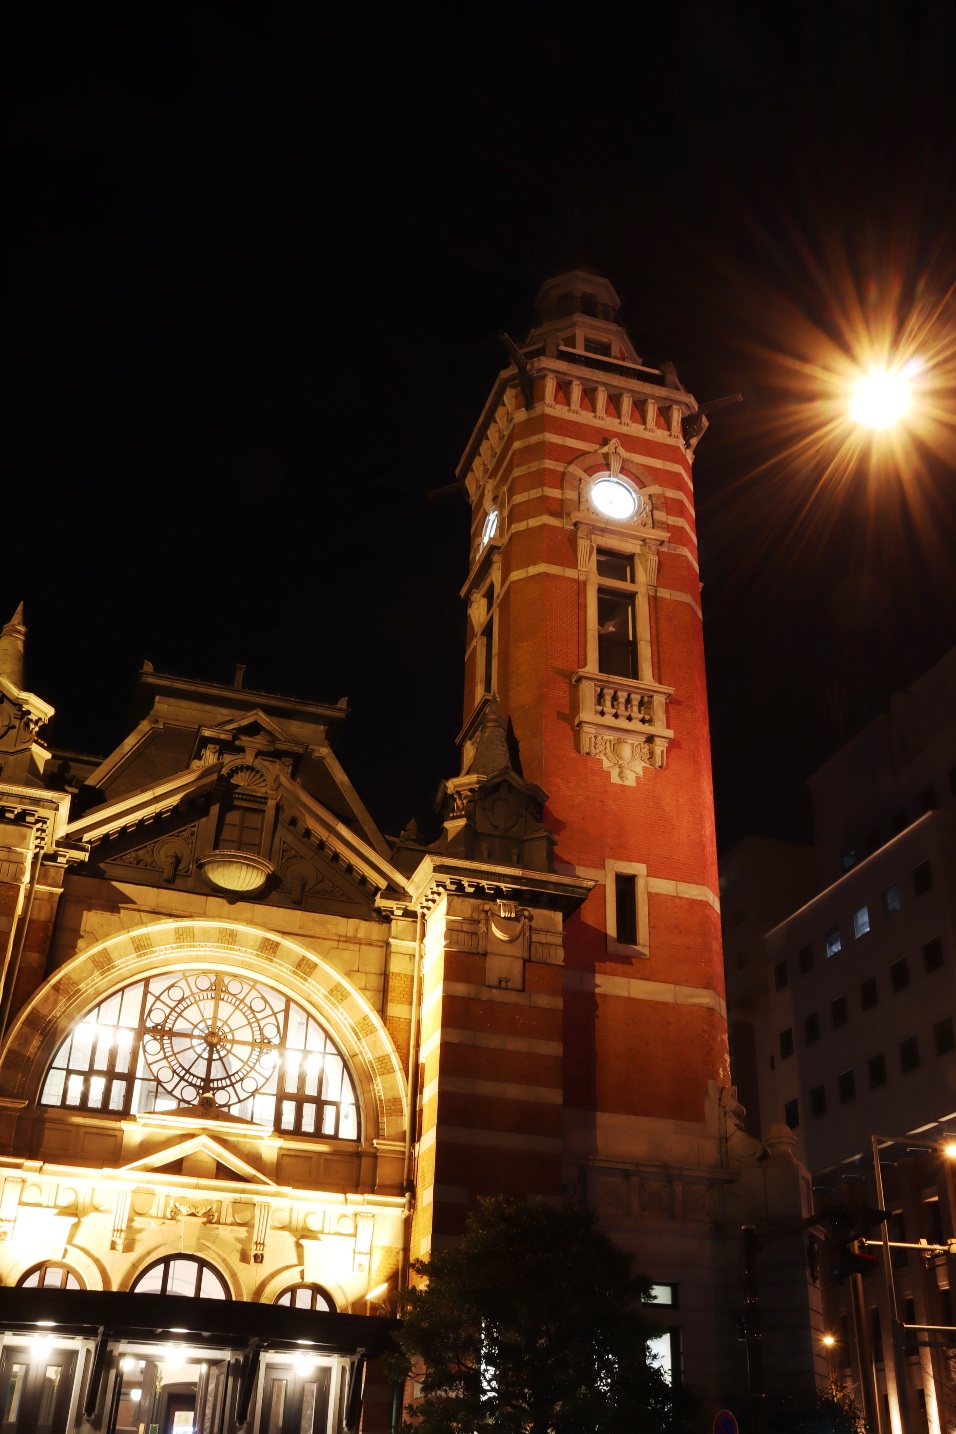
point(622, 721)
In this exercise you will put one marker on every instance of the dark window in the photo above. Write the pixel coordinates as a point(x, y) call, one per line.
point(780, 978)
point(943, 1036)
point(833, 942)
point(922, 878)
point(488, 643)
point(933, 954)
point(900, 974)
point(597, 346)
point(838, 1012)
point(791, 1114)
point(786, 1043)
point(773, 1063)
point(927, 799)
point(891, 899)
point(617, 649)
point(818, 1100)
point(846, 1082)
point(868, 994)
point(625, 899)
point(241, 829)
point(933, 1221)
point(805, 958)
point(909, 1054)
point(910, 1342)
point(898, 820)
point(811, 1028)
point(877, 1069)
point(619, 566)
point(952, 781)
point(849, 858)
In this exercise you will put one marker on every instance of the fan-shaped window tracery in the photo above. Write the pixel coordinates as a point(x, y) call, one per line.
point(194, 1038)
point(50, 1276)
point(181, 1275)
point(305, 1297)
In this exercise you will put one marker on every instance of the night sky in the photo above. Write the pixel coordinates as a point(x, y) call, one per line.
point(257, 267)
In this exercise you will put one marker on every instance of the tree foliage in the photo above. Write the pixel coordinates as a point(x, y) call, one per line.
point(834, 1412)
point(533, 1324)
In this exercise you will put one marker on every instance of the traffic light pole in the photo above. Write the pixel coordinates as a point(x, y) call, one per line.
point(896, 1328)
point(755, 1377)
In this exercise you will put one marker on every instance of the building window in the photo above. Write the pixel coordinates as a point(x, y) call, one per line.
point(868, 994)
point(909, 1055)
point(833, 942)
point(661, 1295)
point(616, 628)
point(861, 921)
point(900, 975)
point(50, 1276)
point(181, 1275)
point(811, 1028)
point(305, 1297)
point(839, 1012)
point(922, 878)
point(791, 1114)
point(241, 830)
point(876, 1066)
point(805, 958)
point(876, 1334)
point(933, 954)
point(891, 899)
point(182, 1037)
point(486, 643)
point(943, 1037)
point(786, 1043)
point(780, 976)
point(625, 904)
point(818, 1101)
point(625, 907)
point(846, 1084)
point(664, 1352)
point(849, 858)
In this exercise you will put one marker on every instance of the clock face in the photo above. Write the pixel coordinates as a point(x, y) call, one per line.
point(615, 498)
point(490, 528)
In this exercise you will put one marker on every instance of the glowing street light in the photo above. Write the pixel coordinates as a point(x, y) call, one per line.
point(882, 396)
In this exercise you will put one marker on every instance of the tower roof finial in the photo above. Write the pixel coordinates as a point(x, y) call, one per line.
point(12, 638)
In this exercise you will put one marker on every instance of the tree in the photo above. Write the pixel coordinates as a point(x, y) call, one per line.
point(533, 1324)
point(834, 1412)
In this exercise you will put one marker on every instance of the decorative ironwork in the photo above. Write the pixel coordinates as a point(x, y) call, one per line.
point(208, 1040)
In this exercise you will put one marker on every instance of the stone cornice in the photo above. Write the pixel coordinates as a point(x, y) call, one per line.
point(439, 874)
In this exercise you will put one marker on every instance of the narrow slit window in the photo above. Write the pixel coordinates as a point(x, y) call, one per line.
point(625, 902)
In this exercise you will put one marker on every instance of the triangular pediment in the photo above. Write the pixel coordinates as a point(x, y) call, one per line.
point(203, 1144)
point(254, 723)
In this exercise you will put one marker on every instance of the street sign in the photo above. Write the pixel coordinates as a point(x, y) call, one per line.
point(725, 1423)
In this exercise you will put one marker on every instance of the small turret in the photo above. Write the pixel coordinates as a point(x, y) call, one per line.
point(12, 638)
point(22, 714)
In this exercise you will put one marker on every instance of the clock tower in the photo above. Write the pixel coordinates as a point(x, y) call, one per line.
point(585, 655)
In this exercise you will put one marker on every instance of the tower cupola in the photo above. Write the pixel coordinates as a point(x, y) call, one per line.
point(578, 311)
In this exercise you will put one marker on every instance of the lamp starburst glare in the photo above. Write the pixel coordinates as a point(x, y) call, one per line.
point(882, 397)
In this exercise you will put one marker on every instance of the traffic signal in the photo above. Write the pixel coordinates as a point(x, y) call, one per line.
point(848, 1231)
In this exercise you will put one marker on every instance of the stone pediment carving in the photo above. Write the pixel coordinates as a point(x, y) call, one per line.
point(312, 875)
point(201, 1144)
point(172, 853)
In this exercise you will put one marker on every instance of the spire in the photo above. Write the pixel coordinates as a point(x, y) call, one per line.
point(11, 649)
point(491, 748)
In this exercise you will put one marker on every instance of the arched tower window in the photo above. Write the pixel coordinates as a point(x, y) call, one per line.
point(305, 1297)
point(195, 1038)
point(50, 1276)
point(181, 1275)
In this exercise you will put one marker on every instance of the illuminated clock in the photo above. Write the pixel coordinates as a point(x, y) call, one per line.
point(615, 498)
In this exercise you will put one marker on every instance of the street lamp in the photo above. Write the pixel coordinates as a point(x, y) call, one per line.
point(882, 396)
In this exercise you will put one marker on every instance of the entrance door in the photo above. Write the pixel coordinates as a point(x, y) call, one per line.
point(294, 1403)
point(35, 1393)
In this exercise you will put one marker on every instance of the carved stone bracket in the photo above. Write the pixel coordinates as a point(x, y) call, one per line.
point(623, 723)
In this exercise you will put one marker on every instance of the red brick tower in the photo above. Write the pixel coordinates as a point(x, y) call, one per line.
point(585, 624)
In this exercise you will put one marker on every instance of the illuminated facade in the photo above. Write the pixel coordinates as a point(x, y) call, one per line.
point(254, 1061)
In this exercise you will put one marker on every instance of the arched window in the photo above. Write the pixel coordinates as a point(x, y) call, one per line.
point(181, 1275)
point(305, 1297)
point(196, 1037)
point(50, 1276)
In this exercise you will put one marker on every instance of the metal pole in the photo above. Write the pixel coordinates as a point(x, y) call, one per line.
point(864, 1357)
point(758, 1393)
point(896, 1328)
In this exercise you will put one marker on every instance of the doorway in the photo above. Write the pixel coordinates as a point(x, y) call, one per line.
point(35, 1391)
point(294, 1400)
